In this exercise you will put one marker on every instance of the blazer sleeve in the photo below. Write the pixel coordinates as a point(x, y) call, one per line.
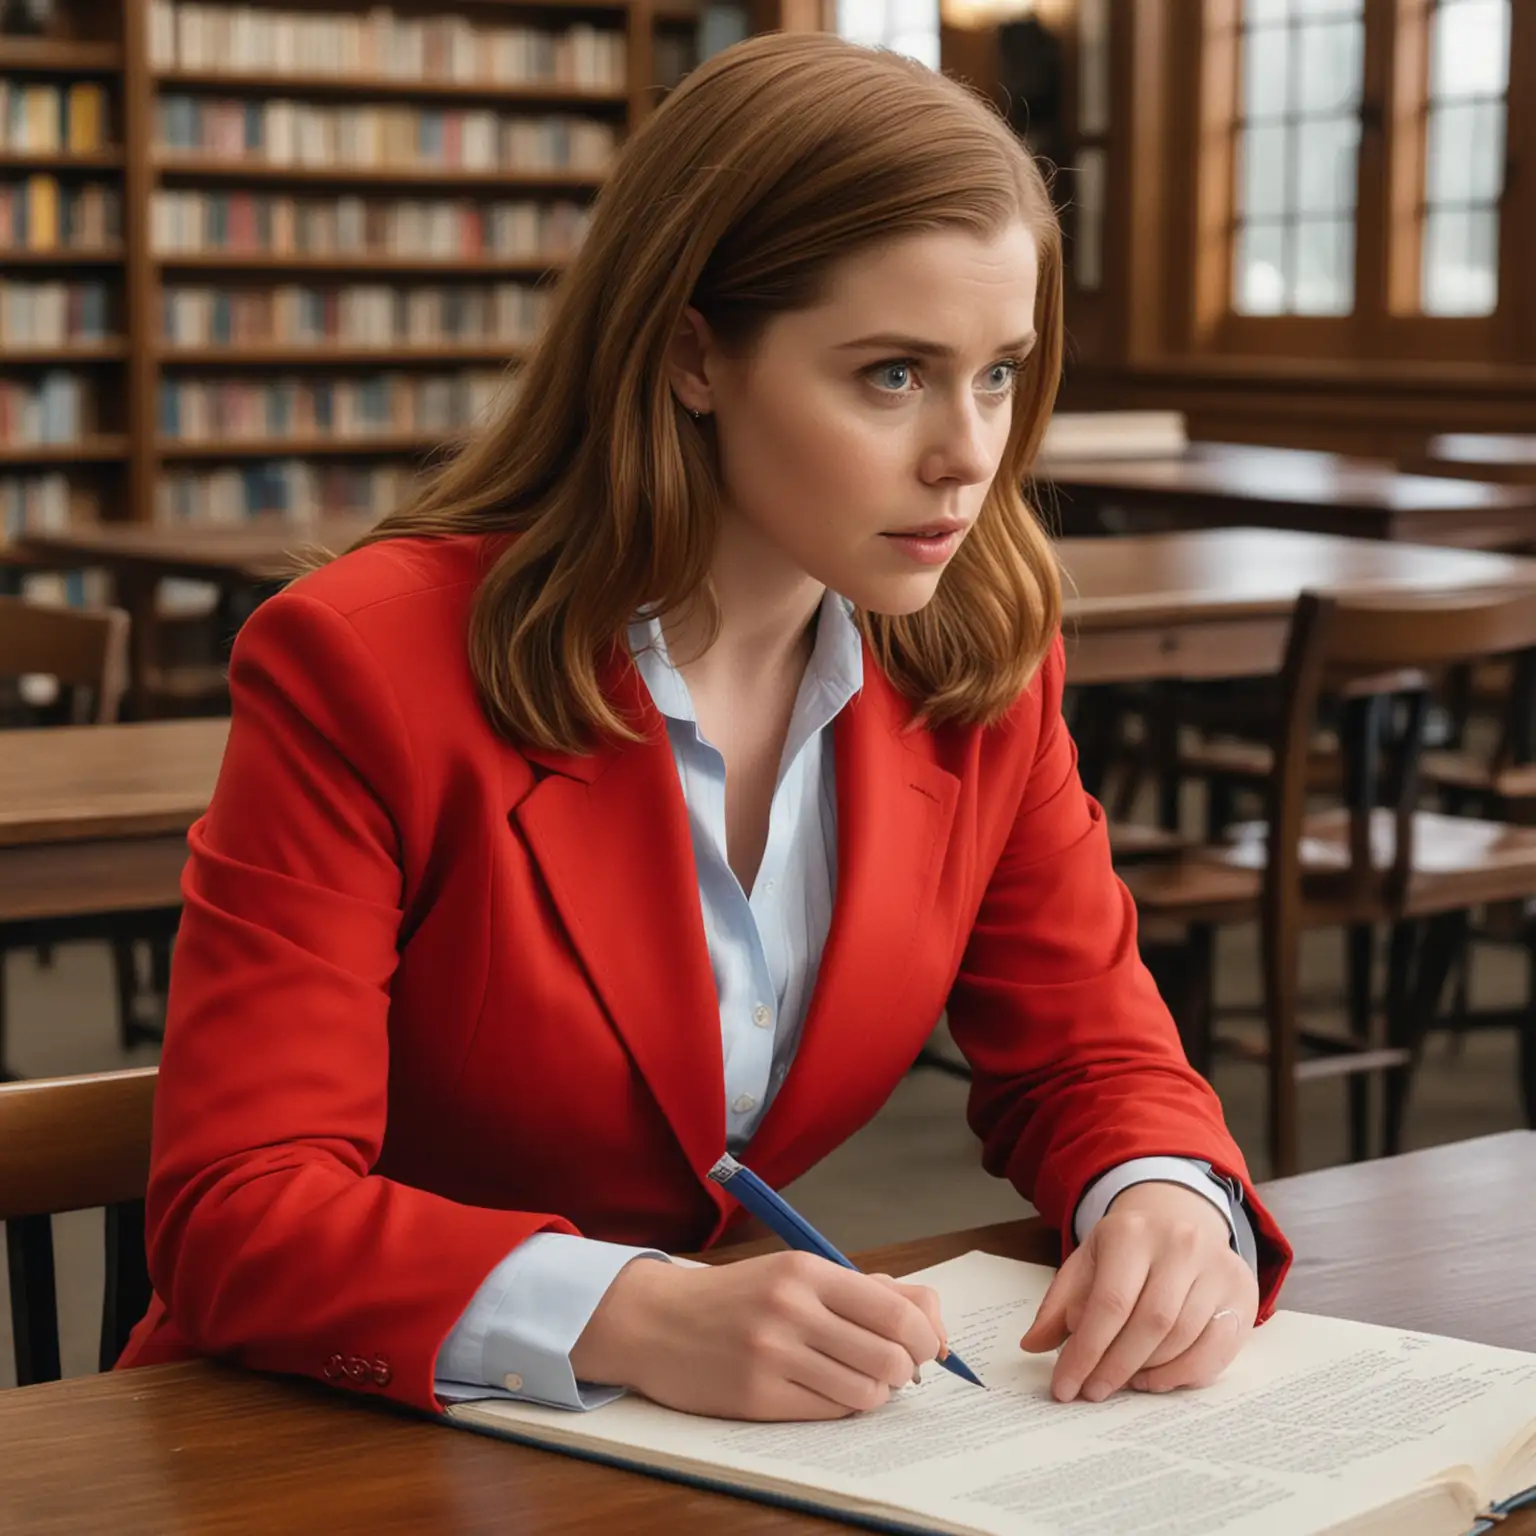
point(1077, 1064)
point(270, 1239)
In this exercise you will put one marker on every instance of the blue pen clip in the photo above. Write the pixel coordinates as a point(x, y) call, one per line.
point(785, 1222)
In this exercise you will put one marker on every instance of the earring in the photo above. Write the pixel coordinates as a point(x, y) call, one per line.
point(697, 415)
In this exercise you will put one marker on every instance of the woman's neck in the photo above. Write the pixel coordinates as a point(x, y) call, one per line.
point(767, 610)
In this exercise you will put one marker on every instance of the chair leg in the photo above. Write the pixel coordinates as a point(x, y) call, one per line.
point(5, 1071)
point(1282, 959)
point(1197, 1011)
point(1528, 1034)
point(34, 1299)
point(1360, 959)
point(160, 963)
point(1410, 1021)
point(125, 976)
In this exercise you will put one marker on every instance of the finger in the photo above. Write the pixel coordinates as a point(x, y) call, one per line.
point(833, 1379)
point(1205, 1360)
point(926, 1300)
point(1069, 1288)
point(1158, 1312)
point(1203, 1300)
point(861, 1350)
point(880, 1308)
point(789, 1401)
point(1119, 1272)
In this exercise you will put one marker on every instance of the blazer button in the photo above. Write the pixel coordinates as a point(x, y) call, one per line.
point(335, 1368)
point(357, 1370)
point(382, 1375)
point(512, 1382)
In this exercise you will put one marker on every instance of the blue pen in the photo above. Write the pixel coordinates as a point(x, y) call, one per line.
point(782, 1219)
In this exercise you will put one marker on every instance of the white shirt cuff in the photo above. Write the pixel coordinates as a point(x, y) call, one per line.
point(1226, 1196)
point(515, 1337)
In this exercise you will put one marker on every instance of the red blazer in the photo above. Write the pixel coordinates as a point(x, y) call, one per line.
point(434, 993)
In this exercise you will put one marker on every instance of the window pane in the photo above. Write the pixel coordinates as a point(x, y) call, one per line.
point(861, 21)
point(1266, 80)
point(1470, 48)
point(1259, 282)
point(1088, 256)
point(1325, 259)
point(908, 26)
point(1298, 155)
point(1265, 178)
point(1465, 153)
point(1461, 266)
point(1326, 155)
point(1329, 66)
point(1093, 66)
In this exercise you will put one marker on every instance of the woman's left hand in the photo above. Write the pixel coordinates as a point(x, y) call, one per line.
point(1156, 1298)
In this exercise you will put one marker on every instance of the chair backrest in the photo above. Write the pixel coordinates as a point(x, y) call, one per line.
point(70, 1144)
point(1371, 653)
point(86, 650)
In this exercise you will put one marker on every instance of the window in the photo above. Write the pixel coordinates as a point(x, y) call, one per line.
point(904, 26)
point(1092, 159)
point(1298, 142)
point(1464, 156)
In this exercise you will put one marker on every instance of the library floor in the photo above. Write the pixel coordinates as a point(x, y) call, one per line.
point(912, 1171)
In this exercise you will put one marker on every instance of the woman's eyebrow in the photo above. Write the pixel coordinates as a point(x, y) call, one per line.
point(918, 347)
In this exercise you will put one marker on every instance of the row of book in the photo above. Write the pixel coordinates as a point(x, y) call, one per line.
point(354, 314)
point(433, 229)
point(293, 489)
point(52, 314)
point(37, 215)
point(42, 504)
point(377, 405)
point(58, 407)
point(250, 39)
point(50, 119)
point(297, 133)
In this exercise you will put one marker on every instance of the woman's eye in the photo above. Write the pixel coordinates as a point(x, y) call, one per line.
point(894, 377)
point(1001, 377)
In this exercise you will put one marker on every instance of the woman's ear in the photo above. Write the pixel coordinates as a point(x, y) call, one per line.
point(689, 356)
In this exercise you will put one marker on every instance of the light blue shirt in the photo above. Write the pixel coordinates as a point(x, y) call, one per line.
point(765, 949)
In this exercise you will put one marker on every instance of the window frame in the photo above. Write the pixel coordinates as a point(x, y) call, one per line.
point(1386, 323)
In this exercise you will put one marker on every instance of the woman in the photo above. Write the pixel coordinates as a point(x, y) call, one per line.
point(650, 787)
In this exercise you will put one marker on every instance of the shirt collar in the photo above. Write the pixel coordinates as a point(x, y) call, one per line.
point(834, 674)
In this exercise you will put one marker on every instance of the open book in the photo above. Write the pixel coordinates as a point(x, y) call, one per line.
point(1318, 1426)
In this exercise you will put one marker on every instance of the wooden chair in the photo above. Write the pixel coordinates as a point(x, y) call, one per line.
point(74, 1144)
point(1374, 860)
point(86, 652)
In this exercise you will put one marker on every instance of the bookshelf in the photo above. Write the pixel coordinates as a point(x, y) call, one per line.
point(276, 206)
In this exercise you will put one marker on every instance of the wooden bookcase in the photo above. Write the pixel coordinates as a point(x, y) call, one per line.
point(119, 468)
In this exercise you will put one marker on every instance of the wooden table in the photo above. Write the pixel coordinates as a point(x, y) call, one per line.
point(1479, 456)
point(1216, 603)
point(1220, 485)
point(1435, 1241)
point(94, 818)
point(238, 558)
point(253, 552)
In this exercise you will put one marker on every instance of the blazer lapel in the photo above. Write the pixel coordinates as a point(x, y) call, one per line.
point(895, 807)
point(609, 831)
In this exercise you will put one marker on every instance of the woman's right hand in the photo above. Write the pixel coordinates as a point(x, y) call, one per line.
point(784, 1336)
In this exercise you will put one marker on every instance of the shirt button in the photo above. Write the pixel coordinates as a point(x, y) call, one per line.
point(762, 1016)
point(743, 1102)
point(512, 1382)
point(768, 885)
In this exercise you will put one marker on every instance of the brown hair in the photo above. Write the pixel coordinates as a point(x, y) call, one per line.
point(771, 162)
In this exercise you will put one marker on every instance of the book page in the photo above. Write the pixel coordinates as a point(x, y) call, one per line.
point(1317, 1423)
